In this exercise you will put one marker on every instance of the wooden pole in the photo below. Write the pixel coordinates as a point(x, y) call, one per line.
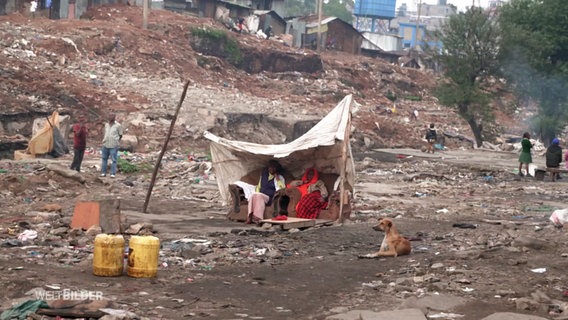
point(417, 26)
point(343, 172)
point(145, 9)
point(320, 9)
point(164, 147)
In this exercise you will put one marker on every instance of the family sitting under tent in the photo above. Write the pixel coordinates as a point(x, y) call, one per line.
point(318, 167)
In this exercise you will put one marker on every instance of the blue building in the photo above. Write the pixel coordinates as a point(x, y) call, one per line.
point(369, 11)
point(407, 31)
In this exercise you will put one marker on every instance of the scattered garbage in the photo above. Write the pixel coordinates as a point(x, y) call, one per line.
point(27, 235)
point(464, 225)
point(559, 217)
point(539, 270)
point(444, 316)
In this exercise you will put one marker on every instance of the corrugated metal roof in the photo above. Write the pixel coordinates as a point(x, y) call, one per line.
point(324, 21)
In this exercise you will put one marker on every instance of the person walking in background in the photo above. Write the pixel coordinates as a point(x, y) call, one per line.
point(566, 159)
point(111, 141)
point(79, 143)
point(431, 137)
point(554, 157)
point(525, 157)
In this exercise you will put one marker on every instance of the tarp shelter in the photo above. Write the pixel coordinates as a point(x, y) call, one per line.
point(325, 146)
point(43, 140)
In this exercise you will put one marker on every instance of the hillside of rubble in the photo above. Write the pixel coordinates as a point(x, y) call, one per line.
point(105, 62)
point(483, 244)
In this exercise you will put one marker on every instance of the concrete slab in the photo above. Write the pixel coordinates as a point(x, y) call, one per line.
point(440, 302)
point(512, 316)
point(109, 219)
point(403, 314)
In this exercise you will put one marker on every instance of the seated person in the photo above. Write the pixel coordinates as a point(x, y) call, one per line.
point(554, 156)
point(313, 195)
point(270, 181)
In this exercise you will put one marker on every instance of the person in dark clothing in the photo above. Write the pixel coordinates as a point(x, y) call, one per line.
point(554, 157)
point(525, 157)
point(79, 143)
point(270, 181)
point(268, 32)
point(431, 137)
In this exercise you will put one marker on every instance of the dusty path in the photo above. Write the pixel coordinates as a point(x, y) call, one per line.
point(257, 273)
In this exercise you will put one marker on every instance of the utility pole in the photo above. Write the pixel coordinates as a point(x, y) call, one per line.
point(145, 10)
point(417, 26)
point(320, 9)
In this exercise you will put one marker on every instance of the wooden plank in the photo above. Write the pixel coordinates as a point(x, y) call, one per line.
point(292, 222)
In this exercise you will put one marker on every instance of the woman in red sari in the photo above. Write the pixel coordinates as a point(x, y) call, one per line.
point(313, 194)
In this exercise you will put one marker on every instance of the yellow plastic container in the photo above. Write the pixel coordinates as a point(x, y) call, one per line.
point(108, 258)
point(143, 256)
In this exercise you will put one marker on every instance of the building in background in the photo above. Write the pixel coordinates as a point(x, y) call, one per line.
point(374, 15)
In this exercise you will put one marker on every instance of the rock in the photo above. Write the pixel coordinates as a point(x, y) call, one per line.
point(540, 297)
point(403, 314)
point(529, 242)
point(129, 142)
point(190, 253)
point(506, 293)
point(59, 231)
point(526, 304)
point(136, 228)
point(42, 216)
point(468, 254)
point(52, 207)
point(512, 316)
point(93, 231)
point(442, 302)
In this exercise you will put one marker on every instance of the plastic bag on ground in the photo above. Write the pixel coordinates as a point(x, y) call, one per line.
point(559, 217)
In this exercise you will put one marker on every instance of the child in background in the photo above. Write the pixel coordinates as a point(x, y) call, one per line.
point(431, 137)
point(525, 156)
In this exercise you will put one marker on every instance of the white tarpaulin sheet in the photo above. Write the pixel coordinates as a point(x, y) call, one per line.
point(322, 146)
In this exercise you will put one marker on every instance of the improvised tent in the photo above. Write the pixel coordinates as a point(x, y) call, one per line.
point(47, 140)
point(326, 146)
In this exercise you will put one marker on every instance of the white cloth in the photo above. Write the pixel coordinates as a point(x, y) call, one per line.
point(247, 188)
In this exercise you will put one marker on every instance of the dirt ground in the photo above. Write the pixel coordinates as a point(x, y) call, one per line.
point(212, 268)
point(267, 273)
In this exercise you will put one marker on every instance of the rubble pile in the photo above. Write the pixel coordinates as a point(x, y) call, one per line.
point(481, 235)
point(107, 62)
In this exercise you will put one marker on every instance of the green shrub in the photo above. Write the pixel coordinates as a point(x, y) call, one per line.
point(212, 34)
point(391, 96)
point(233, 52)
point(230, 46)
point(413, 98)
point(125, 166)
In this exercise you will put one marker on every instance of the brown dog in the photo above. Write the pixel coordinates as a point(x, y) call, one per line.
point(393, 243)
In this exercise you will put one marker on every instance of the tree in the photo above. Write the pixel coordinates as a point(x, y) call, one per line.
point(295, 8)
point(535, 59)
point(469, 58)
point(331, 8)
point(337, 8)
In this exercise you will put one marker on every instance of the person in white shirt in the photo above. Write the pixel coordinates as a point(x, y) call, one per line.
point(111, 141)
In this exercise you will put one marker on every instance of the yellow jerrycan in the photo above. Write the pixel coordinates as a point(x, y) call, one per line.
point(143, 255)
point(108, 256)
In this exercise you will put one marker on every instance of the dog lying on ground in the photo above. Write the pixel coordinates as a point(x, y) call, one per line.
point(393, 243)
